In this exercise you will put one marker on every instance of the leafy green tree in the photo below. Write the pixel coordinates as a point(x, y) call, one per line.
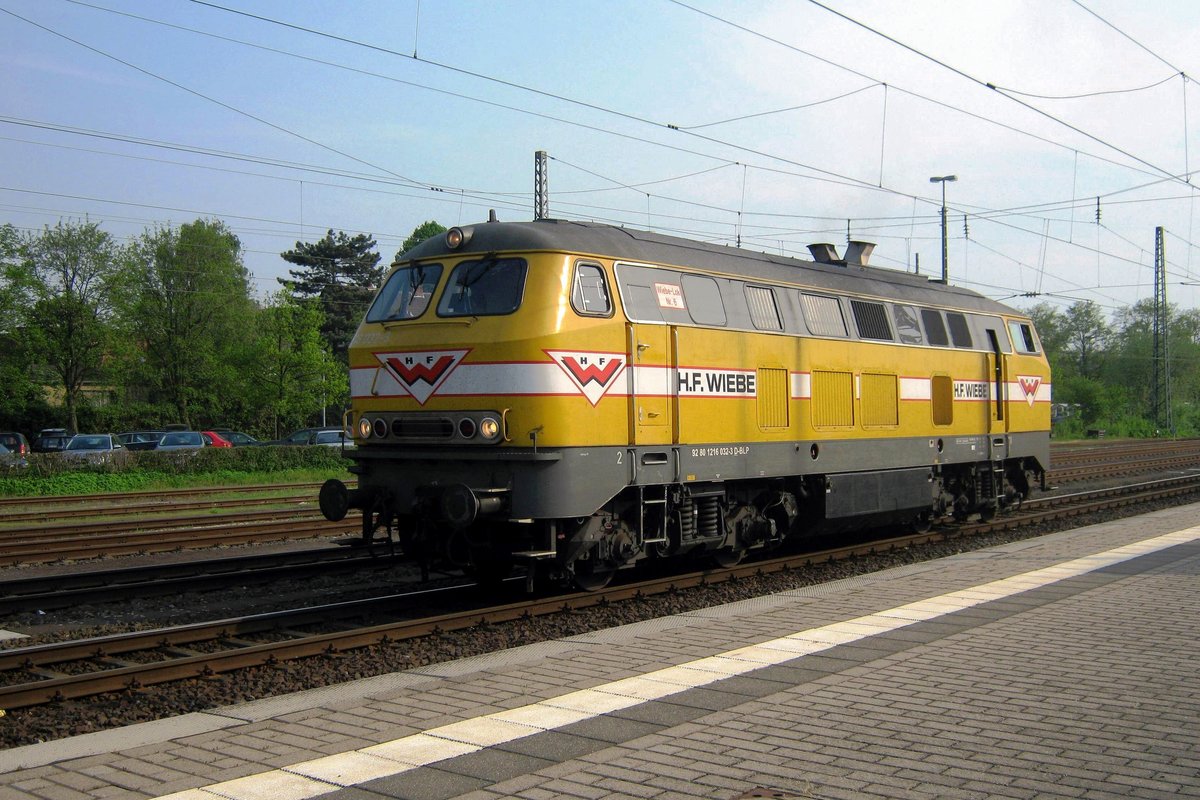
point(298, 375)
point(1185, 359)
point(1051, 326)
point(1096, 400)
point(187, 310)
point(342, 272)
point(420, 233)
point(1087, 336)
point(70, 269)
point(21, 397)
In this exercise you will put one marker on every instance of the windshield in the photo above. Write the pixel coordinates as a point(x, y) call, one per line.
point(406, 293)
point(89, 443)
point(181, 438)
point(479, 288)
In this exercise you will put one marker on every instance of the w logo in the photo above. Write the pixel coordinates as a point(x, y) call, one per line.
point(592, 373)
point(411, 373)
point(1029, 387)
point(422, 374)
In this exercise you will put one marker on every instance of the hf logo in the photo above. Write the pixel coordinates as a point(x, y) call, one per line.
point(592, 373)
point(421, 374)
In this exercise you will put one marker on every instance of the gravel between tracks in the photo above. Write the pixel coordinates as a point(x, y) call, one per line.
point(69, 718)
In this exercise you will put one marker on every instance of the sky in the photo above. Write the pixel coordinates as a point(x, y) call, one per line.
point(771, 124)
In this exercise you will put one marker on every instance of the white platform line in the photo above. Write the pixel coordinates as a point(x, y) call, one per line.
point(328, 774)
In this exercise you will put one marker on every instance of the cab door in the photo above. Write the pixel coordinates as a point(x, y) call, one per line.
point(997, 366)
point(652, 388)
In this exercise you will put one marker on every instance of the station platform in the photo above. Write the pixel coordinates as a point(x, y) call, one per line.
point(1063, 666)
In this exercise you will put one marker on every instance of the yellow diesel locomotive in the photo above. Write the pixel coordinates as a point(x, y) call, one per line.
point(574, 398)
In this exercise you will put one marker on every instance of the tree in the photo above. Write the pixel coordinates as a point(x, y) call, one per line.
point(1087, 336)
point(1185, 358)
point(187, 308)
point(343, 272)
point(21, 392)
point(420, 233)
point(297, 372)
point(1051, 327)
point(70, 269)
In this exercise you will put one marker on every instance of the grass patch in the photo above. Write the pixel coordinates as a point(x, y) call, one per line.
point(49, 475)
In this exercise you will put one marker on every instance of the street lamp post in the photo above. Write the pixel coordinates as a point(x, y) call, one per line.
point(943, 180)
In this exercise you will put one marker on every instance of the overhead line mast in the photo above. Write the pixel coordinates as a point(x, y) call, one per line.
point(1161, 391)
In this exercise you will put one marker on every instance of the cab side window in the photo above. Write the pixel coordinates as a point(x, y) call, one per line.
point(589, 292)
point(1022, 337)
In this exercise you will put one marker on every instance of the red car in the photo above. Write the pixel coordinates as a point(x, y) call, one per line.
point(214, 439)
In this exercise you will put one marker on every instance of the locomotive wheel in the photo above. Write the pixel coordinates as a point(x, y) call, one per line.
point(590, 576)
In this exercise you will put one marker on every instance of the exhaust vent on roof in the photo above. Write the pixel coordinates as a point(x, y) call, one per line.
point(859, 252)
point(823, 253)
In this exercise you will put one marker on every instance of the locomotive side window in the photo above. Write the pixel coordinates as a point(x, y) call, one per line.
point(871, 320)
point(907, 327)
point(652, 295)
point(823, 315)
point(960, 334)
point(764, 312)
point(589, 294)
point(1022, 336)
point(935, 329)
point(487, 287)
point(703, 298)
point(406, 293)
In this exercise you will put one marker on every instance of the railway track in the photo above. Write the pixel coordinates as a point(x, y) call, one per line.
point(48, 592)
point(99, 540)
point(162, 495)
point(1081, 462)
point(47, 673)
point(160, 522)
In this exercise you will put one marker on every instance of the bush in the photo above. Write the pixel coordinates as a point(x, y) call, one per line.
point(51, 474)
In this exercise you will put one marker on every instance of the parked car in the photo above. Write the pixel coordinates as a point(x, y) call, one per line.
point(52, 440)
point(16, 442)
point(302, 436)
point(95, 447)
point(331, 438)
point(11, 460)
point(237, 438)
point(214, 439)
point(141, 440)
point(181, 440)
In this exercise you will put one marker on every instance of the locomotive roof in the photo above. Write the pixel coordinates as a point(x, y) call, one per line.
point(627, 244)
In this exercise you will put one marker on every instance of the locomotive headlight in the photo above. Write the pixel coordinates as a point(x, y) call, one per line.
point(456, 238)
point(466, 427)
point(364, 428)
point(380, 428)
point(489, 428)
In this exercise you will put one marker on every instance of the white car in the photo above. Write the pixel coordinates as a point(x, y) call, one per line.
point(94, 447)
